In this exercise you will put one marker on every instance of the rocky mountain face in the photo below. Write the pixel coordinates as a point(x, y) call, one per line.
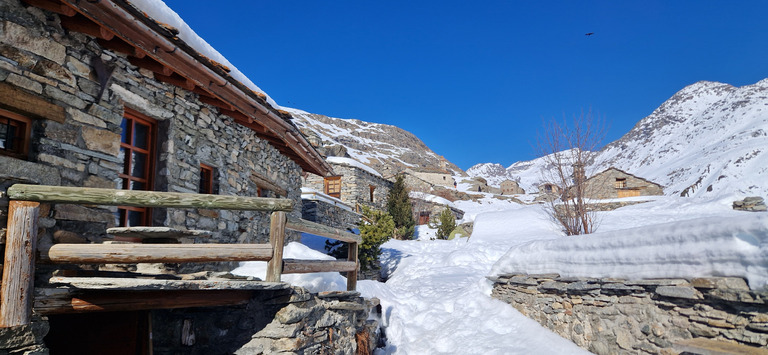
point(707, 140)
point(386, 148)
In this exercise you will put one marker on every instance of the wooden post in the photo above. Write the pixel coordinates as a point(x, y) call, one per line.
point(277, 239)
point(19, 264)
point(352, 275)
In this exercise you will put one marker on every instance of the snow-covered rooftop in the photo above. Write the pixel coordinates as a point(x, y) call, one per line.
point(353, 163)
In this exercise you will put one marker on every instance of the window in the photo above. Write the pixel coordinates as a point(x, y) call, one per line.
point(620, 183)
point(206, 179)
point(15, 131)
point(371, 187)
point(333, 186)
point(137, 153)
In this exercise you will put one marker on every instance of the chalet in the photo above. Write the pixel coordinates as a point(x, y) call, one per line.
point(115, 123)
point(510, 187)
point(615, 183)
point(355, 183)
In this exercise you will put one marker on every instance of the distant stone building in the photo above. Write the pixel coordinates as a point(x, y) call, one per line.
point(549, 189)
point(510, 187)
point(433, 177)
point(428, 207)
point(354, 183)
point(615, 183)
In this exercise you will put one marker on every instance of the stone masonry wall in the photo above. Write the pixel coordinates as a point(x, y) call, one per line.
point(40, 59)
point(355, 186)
point(328, 214)
point(602, 186)
point(614, 316)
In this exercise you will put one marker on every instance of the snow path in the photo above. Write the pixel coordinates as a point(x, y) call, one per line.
point(437, 301)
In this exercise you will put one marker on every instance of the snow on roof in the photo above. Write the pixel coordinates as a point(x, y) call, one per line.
point(430, 198)
point(314, 195)
point(160, 12)
point(353, 163)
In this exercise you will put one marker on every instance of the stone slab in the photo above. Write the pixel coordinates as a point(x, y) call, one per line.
point(130, 284)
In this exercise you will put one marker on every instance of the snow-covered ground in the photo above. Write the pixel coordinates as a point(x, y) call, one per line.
point(436, 300)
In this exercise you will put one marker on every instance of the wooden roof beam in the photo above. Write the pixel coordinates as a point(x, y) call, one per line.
point(151, 65)
point(118, 45)
point(82, 24)
point(53, 6)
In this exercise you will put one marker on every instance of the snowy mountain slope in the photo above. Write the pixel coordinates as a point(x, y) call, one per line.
point(708, 140)
point(386, 148)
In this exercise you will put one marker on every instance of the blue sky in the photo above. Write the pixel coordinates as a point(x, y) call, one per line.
point(475, 79)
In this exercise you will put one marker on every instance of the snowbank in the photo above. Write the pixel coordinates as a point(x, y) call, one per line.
point(724, 246)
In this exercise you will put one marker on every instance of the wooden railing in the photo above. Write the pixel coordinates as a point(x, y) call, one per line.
point(21, 239)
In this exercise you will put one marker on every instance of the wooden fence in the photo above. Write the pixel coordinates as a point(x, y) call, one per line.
point(21, 238)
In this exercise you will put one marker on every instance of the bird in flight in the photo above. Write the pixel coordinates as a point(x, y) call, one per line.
point(589, 34)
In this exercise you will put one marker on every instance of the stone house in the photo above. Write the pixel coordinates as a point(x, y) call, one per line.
point(428, 207)
point(510, 187)
point(616, 183)
point(549, 189)
point(100, 94)
point(424, 177)
point(354, 183)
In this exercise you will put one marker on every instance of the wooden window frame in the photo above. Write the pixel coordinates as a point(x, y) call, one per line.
point(206, 179)
point(134, 117)
point(372, 188)
point(21, 138)
point(620, 183)
point(330, 182)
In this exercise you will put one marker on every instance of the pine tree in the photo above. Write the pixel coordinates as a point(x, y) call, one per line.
point(447, 224)
point(376, 227)
point(399, 207)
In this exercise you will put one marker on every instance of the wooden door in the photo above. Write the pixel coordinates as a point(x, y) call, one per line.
point(628, 193)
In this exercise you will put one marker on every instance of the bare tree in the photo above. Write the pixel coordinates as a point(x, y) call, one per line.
point(568, 151)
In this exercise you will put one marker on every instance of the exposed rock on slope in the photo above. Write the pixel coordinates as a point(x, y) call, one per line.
point(386, 148)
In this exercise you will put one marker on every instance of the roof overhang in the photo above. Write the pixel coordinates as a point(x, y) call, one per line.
point(121, 27)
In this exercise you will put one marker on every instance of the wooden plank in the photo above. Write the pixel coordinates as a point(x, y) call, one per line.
point(16, 100)
point(19, 264)
point(292, 266)
point(53, 6)
point(704, 346)
point(352, 275)
point(151, 65)
point(63, 301)
point(269, 185)
point(114, 197)
point(154, 253)
point(318, 229)
point(277, 240)
point(82, 24)
point(136, 284)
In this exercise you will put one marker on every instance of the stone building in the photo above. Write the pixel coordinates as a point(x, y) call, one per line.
point(615, 183)
point(354, 183)
point(432, 177)
point(428, 207)
point(100, 94)
point(510, 187)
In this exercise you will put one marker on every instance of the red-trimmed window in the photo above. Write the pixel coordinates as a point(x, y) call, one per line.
point(15, 131)
point(137, 150)
point(206, 179)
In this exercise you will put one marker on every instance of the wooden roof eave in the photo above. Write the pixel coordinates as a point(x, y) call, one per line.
point(136, 32)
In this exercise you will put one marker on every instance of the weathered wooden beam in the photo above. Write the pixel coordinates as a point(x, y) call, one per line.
point(114, 197)
point(154, 253)
point(269, 185)
point(82, 24)
point(177, 80)
point(318, 229)
point(277, 240)
point(17, 100)
point(19, 264)
point(215, 102)
point(151, 65)
point(63, 301)
point(352, 275)
point(291, 266)
point(144, 284)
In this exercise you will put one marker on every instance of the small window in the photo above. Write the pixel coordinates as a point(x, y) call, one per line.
point(371, 187)
point(620, 183)
point(206, 179)
point(15, 131)
point(333, 186)
point(137, 150)
point(262, 192)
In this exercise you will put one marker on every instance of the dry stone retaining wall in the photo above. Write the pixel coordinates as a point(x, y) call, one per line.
point(614, 316)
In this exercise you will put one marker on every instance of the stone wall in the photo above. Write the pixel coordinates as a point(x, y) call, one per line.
point(291, 321)
point(328, 214)
point(355, 186)
point(435, 179)
point(614, 316)
point(602, 185)
point(41, 61)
